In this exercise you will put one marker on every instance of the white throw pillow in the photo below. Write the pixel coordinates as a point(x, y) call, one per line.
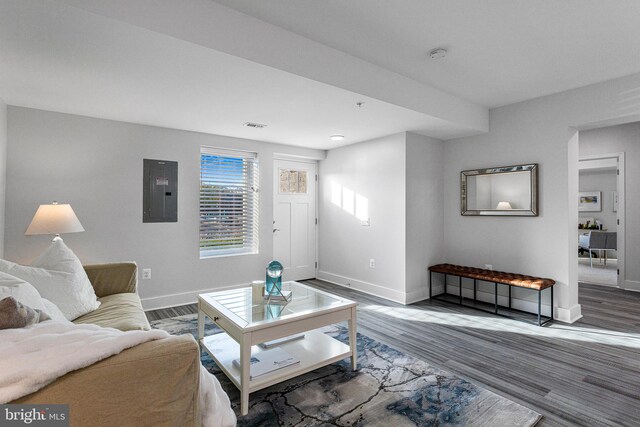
point(23, 292)
point(59, 277)
point(53, 311)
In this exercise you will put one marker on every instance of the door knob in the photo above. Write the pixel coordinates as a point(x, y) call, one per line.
point(276, 229)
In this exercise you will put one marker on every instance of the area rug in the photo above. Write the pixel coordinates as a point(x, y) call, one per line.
point(389, 389)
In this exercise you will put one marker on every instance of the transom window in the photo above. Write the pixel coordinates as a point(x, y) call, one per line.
point(228, 202)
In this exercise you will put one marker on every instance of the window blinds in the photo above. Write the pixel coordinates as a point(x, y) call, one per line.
point(228, 202)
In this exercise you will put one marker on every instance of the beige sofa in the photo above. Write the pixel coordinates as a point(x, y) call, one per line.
point(155, 383)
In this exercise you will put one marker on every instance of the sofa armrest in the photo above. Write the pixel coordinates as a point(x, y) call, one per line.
point(155, 384)
point(113, 278)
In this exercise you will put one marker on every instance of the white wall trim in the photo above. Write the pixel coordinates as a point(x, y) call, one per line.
point(182, 298)
point(503, 300)
point(632, 285)
point(568, 315)
point(591, 162)
point(297, 158)
point(366, 287)
point(418, 295)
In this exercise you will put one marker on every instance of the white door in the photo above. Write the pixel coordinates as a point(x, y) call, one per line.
point(294, 218)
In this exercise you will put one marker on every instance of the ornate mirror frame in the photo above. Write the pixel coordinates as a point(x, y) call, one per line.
point(533, 182)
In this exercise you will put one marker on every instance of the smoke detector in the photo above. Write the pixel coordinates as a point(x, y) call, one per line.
point(254, 125)
point(437, 53)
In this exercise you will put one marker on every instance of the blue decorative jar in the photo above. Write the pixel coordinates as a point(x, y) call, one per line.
point(274, 278)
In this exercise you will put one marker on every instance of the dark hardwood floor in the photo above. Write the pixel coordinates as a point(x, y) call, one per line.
point(587, 373)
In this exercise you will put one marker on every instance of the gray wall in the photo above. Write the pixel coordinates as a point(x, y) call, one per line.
point(541, 131)
point(374, 170)
point(622, 138)
point(3, 169)
point(425, 213)
point(96, 166)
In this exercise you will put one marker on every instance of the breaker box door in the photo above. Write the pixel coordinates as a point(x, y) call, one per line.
point(160, 191)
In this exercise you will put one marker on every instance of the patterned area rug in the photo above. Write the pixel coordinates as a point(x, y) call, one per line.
point(389, 389)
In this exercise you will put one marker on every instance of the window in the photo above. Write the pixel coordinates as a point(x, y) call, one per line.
point(228, 202)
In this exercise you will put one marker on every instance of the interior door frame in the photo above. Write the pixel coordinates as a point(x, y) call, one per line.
point(291, 158)
point(621, 226)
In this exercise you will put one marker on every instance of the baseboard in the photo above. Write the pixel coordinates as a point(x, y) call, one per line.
point(182, 298)
point(362, 286)
point(569, 315)
point(632, 285)
point(503, 300)
point(566, 315)
point(415, 296)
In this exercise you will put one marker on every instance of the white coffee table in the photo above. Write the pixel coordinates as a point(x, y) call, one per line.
point(247, 321)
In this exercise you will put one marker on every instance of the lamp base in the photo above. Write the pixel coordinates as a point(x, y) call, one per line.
point(57, 238)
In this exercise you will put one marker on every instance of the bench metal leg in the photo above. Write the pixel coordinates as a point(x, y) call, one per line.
point(539, 307)
point(551, 303)
point(495, 310)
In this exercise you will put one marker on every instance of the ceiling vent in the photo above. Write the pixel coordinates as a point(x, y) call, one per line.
point(254, 125)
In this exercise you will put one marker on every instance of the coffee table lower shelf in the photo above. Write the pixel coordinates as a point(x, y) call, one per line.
point(317, 349)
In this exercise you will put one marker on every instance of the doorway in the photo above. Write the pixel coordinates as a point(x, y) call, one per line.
point(295, 217)
point(601, 226)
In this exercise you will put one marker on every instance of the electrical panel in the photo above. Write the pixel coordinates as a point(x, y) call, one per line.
point(160, 191)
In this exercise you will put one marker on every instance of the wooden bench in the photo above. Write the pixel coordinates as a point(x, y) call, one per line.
point(496, 277)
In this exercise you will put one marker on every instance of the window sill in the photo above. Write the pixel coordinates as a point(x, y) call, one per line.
point(226, 254)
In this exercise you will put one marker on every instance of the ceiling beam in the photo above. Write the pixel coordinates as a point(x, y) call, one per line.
point(218, 27)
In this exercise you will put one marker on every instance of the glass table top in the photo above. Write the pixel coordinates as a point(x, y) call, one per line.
point(246, 306)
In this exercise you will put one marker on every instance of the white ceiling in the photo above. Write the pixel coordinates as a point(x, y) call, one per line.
point(202, 66)
point(500, 51)
point(60, 58)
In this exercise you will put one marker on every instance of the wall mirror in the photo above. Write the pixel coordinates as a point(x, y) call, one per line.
point(501, 191)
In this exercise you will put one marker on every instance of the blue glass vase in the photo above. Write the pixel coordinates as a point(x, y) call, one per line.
point(274, 278)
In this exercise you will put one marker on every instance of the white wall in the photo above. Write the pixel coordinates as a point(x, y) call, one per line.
point(536, 131)
point(96, 165)
point(400, 176)
point(622, 138)
point(425, 213)
point(3, 169)
point(375, 171)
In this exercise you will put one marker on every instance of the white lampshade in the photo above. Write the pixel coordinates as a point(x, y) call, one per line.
point(504, 206)
point(54, 219)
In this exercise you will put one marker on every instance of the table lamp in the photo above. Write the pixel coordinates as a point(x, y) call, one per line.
point(54, 219)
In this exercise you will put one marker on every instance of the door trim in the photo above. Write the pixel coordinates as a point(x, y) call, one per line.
point(621, 228)
point(316, 178)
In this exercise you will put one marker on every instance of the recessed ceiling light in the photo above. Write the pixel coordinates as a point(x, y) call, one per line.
point(336, 137)
point(437, 53)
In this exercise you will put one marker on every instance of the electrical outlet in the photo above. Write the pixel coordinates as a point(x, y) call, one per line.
point(365, 222)
point(488, 267)
point(372, 263)
point(146, 273)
